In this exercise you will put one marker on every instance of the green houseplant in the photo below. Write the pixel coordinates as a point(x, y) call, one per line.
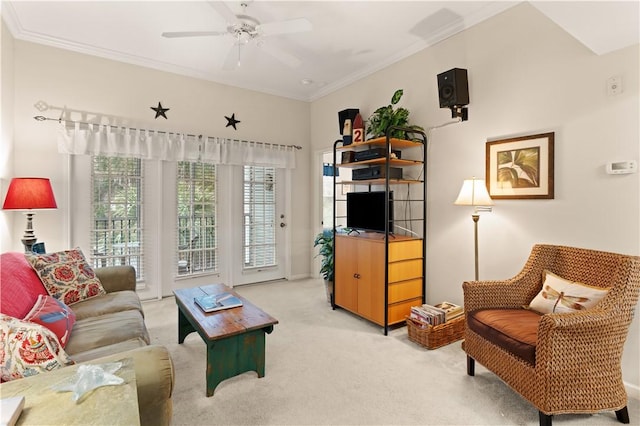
point(387, 116)
point(324, 240)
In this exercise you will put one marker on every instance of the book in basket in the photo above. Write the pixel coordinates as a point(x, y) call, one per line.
point(451, 310)
point(217, 302)
point(428, 314)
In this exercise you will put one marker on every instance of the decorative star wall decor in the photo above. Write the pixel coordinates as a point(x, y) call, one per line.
point(231, 121)
point(161, 112)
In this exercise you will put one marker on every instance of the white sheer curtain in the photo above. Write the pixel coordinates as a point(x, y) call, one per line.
point(81, 139)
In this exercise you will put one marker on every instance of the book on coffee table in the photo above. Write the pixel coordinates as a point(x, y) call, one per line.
point(10, 410)
point(216, 302)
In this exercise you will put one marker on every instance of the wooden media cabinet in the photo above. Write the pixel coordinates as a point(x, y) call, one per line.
point(361, 267)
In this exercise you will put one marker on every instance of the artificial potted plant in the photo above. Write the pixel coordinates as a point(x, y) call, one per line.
point(325, 241)
point(387, 116)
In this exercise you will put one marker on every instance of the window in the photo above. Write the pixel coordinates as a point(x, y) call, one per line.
point(197, 236)
point(259, 239)
point(117, 234)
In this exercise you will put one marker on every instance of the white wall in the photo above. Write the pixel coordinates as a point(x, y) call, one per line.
point(6, 131)
point(526, 76)
point(125, 93)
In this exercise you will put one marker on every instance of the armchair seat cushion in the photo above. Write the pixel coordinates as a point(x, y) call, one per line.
point(514, 330)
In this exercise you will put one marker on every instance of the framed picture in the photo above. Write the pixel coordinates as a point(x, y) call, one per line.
point(521, 168)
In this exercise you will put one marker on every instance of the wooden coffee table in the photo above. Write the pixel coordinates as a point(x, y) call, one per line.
point(235, 337)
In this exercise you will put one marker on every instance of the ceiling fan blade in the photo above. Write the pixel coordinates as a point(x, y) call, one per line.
point(193, 34)
point(282, 56)
point(285, 27)
point(225, 12)
point(233, 58)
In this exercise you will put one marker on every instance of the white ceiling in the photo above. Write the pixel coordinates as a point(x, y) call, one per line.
point(349, 40)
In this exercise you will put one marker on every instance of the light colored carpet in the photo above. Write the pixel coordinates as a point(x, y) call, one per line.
point(330, 367)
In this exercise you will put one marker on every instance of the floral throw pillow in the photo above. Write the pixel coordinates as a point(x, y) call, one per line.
point(66, 275)
point(54, 315)
point(27, 349)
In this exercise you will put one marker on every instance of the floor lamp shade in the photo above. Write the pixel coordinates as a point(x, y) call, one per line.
point(474, 193)
point(29, 194)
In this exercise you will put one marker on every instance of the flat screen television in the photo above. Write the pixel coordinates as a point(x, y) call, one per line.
point(365, 210)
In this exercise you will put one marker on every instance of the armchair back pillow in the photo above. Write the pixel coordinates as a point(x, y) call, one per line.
point(560, 295)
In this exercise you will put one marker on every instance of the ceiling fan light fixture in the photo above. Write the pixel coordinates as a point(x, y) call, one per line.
point(246, 29)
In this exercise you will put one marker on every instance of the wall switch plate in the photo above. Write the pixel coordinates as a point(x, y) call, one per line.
point(614, 85)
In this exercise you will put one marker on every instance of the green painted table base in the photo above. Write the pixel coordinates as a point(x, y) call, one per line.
point(235, 337)
point(229, 356)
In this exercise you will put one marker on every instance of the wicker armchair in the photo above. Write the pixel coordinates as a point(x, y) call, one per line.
point(577, 365)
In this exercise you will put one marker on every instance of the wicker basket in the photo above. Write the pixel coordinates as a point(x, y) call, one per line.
point(433, 337)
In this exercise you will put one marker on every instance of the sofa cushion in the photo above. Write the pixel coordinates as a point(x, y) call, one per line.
point(104, 330)
point(514, 330)
point(113, 349)
point(54, 315)
point(28, 349)
point(107, 304)
point(560, 295)
point(66, 275)
point(20, 286)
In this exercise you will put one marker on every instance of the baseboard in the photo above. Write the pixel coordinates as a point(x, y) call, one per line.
point(632, 391)
point(299, 277)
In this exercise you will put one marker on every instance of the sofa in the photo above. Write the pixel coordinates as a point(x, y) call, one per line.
point(108, 326)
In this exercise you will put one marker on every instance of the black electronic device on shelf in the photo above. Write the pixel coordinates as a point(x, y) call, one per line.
point(376, 172)
point(366, 210)
point(373, 153)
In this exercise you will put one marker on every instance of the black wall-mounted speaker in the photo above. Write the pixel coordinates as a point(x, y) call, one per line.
point(453, 88)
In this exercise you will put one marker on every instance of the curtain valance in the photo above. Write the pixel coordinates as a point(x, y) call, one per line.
point(96, 139)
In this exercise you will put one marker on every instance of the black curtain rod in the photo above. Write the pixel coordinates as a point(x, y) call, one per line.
point(59, 120)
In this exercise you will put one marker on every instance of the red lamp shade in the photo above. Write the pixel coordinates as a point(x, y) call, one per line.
point(29, 193)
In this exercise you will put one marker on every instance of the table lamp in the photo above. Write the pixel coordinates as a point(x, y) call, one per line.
point(28, 194)
point(474, 193)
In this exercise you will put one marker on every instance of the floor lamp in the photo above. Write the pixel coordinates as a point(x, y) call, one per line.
point(29, 194)
point(474, 193)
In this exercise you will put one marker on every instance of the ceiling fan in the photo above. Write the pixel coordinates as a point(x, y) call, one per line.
point(244, 29)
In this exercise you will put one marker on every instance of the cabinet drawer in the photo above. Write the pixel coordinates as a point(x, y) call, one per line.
point(405, 290)
point(404, 250)
point(399, 311)
point(405, 270)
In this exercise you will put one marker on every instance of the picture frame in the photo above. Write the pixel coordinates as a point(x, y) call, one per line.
point(521, 167)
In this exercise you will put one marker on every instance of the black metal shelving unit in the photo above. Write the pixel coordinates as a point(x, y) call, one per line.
point(420, 139)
